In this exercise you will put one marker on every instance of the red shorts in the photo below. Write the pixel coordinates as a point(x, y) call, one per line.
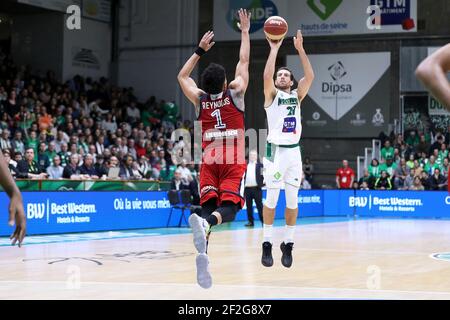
point(222, 181)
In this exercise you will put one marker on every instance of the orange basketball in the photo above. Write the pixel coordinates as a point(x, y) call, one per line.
point(275, 28)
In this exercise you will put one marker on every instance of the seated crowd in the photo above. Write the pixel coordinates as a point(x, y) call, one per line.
point(421, 162)
point(83, 129)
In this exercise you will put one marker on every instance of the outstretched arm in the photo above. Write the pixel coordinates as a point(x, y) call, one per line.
point(432, 72)
point(188, 85)
point(241, 76)
point(304, 83)
point(269, 86)
point(16, 211)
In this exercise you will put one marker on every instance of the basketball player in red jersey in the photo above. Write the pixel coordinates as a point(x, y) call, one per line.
point(220, 108)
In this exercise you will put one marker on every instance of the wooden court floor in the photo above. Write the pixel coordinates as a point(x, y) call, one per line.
point(354, 259)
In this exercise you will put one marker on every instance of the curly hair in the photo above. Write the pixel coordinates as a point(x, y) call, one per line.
point(213, 78)
point(287, 69)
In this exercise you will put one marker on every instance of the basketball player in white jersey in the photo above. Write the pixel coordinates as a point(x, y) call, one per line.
point(283, 162)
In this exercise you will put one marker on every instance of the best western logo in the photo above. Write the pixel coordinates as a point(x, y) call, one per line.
point(35, 210)
point(41, 210)
point(360, 202)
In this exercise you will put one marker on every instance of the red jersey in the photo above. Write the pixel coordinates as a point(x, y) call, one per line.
point(221, 118)
point(345, 177)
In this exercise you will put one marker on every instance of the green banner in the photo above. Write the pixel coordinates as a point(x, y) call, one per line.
point(78, 185)
point(62, 185)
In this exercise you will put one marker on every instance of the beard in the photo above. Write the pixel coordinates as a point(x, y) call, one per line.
point(283, 86)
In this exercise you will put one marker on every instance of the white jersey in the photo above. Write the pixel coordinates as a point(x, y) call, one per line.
point(284, 119)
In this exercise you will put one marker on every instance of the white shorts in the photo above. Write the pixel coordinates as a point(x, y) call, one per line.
point(285, 167)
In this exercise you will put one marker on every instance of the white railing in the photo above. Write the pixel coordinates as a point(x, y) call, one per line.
point(376, 149)
point(363, 162)
point(360, 166)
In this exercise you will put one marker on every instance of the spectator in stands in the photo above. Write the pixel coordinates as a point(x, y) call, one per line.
point(10, 163)
point(437, 181)
point(72, 170)
point(11, 105)
point(383, 182)
point(133, 113)
point(305, 185)
point(431, 165)
point(61, 138)
point(109, 123)
point(389, 166)
point(178, 182)
point(144, 167)
point(423, 145)
point(51, 151)
point(18, 157)
point(64, 154)
point(194, 189)
point(413, 139)
point(113, 162)
point(417, 168)
point(92, 151)
point(399, 141)
point(425, 179)
point(345, 176)
point(55, 171)
point(400, 174)
point(45, 119)
point(355, 185)
point(43, 159)
point(417, 186)
point(126, 169)
point(88, 170)
point(364, 186)
point(100, 144)
point(308, 169)
point(29, 168)
point(387, 151)
point(443, 153)
point(17, 143)
point(32, 142)
point(445, 167)
point(100, 166)
point(131, 149)
point(136, 173)
point(410, 162)
point(409, 180)
point(439, 139)
point(367, 178)
point(374, 169)
point(5, 142)
point(184, 169)
point(423, 160)
point(141, 147)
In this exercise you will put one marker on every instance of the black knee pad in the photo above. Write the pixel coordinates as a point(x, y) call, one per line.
point(228, 211)
point(208, 207)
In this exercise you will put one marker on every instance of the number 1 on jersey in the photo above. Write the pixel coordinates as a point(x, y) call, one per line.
point(219, 125)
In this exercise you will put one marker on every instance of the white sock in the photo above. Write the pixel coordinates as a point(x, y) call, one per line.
point(289, 234)
point(267, 232)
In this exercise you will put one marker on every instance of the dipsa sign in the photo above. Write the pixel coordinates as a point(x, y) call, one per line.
point(400, 204)
point(64, 212)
